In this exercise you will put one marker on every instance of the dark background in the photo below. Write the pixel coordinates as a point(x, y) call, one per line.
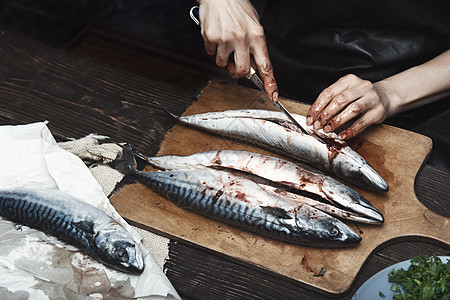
point(151, 38)
point(57, 23)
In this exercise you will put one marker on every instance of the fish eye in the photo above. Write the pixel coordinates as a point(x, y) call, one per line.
point(122, 254)
point(334, 231)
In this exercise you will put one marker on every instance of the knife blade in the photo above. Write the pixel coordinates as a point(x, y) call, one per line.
point(253, 77)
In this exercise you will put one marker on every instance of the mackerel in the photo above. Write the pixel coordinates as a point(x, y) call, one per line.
point(274, 131)
point(75, 222)
point(236, 200)
point(340, 200)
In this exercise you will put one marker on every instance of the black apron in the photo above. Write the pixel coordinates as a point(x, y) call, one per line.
point(314, 43)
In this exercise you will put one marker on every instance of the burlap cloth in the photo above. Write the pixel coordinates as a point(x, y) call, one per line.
point(97, 152)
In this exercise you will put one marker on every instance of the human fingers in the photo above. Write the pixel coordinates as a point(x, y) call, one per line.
point(228, 27)
point(371, 108)
point(209, 33)
point(240, 66)
point(265, 69)
point(326, 96)
point(372, 116)
point(359, 107)
point(223, 55)
point(351, 101)
point(211, 48)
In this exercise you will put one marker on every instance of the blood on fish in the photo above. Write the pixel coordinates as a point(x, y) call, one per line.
point(217, 159)
point(332, 143)
point(240, 196)
point(298, 185)
point(280, 164)
point(215, 198)
point(288, 139)
point(332, 153)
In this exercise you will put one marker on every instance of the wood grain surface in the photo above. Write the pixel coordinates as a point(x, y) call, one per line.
point(395, 153)
point(80, 96)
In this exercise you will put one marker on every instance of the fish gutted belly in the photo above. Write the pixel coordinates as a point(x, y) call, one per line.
point(296, 181)
point(274, 131)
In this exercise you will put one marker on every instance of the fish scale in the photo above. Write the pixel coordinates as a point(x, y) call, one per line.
point(44, 218)
point(282, 178)
point(74, 222)
point(197, 200)
point(242, 202)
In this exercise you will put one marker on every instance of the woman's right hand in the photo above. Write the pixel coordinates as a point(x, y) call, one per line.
point(232, 27)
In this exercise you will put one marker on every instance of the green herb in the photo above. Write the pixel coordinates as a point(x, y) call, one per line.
point(321, 272)
point(426, 278)
point(261, 100)
point(170, 130)
point(381, 294)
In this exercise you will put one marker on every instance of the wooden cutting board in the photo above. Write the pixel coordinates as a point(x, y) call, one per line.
point(395, 153)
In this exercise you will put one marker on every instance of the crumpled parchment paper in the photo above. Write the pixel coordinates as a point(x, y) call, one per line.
point(34, 265)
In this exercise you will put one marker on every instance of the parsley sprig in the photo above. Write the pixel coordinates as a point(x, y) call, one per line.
point(426, 278)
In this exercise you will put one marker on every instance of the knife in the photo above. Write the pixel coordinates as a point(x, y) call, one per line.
point(253, 77)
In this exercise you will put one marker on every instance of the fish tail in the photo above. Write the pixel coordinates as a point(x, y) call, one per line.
point(127, 164)
point(131, 151)
point(166, 110)
point(123, 167)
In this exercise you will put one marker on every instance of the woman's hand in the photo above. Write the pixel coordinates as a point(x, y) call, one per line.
point(233, 28)
point(349, 98)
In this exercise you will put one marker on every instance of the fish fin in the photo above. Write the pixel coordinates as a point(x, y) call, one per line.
point(277, 212)
point(85, 226)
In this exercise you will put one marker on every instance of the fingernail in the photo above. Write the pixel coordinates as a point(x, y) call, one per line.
point(275, 96)
point(342, 136)
point(309, 121)
point(317, 125)
point(327, 128)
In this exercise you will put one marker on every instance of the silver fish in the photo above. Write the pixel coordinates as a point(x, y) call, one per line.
point(75, 222)
point(325, 207)
point(238, 201)
point(274, 131)
point(316, 184)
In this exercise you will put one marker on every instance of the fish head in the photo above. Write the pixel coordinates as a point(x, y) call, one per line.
point(350, 166)
point(323, 229)
point(117, 249)
point(352, 200)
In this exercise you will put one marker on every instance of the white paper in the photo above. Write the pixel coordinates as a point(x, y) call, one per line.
point(40, 266)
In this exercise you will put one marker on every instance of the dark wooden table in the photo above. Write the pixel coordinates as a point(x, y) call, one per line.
point(78, 97)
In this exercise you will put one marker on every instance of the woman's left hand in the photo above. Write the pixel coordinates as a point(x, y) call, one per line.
point(349, 98)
